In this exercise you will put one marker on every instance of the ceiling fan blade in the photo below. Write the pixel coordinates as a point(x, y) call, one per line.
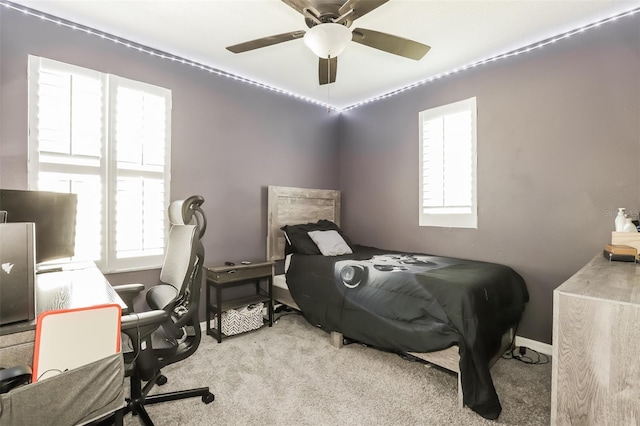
point(327, 69)
point(360, 7)
point(299, 5)
point(389, 43)
point(265, 41)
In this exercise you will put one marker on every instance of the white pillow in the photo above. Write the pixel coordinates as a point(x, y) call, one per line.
point(330, 243)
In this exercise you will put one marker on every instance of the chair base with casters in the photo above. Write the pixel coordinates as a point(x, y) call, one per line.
point(150, 330)
point(139, 398)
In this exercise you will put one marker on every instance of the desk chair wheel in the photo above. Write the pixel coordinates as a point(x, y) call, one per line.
point(208, 398)
point(161, 380)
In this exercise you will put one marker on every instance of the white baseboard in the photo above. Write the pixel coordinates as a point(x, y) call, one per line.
point(543, 348)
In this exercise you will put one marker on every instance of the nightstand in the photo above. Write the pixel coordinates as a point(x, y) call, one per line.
point(224, 277)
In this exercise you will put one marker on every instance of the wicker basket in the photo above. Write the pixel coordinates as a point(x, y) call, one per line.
point(241, 320)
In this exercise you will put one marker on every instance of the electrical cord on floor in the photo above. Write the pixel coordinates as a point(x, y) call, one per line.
point(522, 355)
point(283, 310)
point(284, 314)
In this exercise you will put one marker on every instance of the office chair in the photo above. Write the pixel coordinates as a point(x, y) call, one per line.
point(170, 331)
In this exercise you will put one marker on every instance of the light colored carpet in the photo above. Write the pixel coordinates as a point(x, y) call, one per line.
point(290, 374)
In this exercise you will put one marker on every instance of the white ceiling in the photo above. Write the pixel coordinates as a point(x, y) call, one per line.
point(459, 33)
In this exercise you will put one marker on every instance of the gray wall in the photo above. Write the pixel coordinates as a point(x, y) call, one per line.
point(558, 152)
point(558, 141)
point(229, 139)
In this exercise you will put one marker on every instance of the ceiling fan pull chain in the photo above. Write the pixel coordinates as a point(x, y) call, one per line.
point(329, 84)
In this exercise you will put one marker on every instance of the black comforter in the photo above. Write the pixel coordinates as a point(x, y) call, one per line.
point(406, 302)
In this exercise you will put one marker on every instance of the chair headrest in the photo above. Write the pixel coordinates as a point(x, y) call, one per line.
point(188, 212)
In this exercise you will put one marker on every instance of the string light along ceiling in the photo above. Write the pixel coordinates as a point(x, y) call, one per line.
point(164, 55)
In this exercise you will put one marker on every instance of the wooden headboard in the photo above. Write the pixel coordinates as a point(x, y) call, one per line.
point(292, 206)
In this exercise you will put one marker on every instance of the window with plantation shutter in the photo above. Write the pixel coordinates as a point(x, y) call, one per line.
point(107, 139)
point(447, 189)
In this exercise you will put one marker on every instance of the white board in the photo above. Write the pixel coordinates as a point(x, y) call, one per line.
point(70, 338)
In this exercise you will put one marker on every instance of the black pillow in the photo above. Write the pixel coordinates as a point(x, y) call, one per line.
point(300, 240)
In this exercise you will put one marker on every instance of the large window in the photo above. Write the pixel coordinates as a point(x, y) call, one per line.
point(448, 194)
point(108, 139)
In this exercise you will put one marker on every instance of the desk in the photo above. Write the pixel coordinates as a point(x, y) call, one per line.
point(77, 285)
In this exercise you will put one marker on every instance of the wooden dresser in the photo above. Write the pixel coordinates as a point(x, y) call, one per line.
point(596, 346)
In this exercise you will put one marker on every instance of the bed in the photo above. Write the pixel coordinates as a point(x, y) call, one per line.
point(455, 313)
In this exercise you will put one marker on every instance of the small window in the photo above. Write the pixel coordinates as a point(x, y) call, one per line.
point(108, 140)
point(448, 181)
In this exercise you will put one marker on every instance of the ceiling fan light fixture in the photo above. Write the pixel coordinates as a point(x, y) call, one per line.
point(327, 40)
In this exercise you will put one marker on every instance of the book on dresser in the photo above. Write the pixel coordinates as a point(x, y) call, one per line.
point(620, 253)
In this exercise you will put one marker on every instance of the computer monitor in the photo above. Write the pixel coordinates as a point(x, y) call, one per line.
point(54, 215)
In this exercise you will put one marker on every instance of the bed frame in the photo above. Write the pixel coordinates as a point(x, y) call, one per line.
point(292, 206)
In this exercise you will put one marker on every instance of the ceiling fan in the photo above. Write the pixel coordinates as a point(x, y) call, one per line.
point(329, 23)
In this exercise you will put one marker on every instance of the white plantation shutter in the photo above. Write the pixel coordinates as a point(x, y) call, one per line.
point(448, 166)
point(139, 142)
point(108, 140)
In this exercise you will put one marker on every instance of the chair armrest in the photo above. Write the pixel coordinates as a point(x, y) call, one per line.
point(128, 292)
point(139, 326)
point(143, 320)
point(13, 377)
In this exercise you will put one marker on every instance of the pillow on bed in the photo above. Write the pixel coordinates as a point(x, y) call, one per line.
point(330, 243)
point(298, 238)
